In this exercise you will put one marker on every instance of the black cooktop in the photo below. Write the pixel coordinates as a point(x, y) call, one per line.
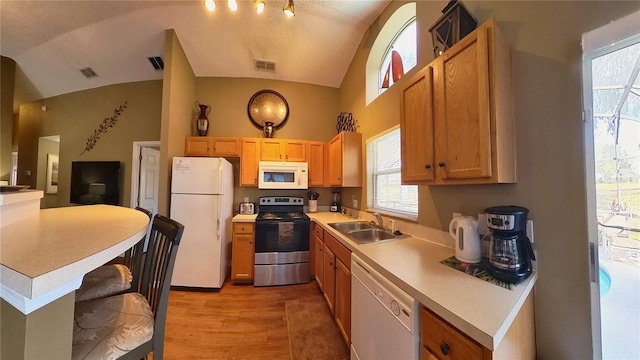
point(281, 208)
point(282, 216)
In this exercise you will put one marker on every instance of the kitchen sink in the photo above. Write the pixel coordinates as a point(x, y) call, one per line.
point(363, 232)
point(370, 235)
point(345, 227)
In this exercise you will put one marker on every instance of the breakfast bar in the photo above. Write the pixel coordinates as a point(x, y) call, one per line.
point(43, 258)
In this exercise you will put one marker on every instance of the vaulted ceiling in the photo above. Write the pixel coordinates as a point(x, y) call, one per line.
point(51, 41)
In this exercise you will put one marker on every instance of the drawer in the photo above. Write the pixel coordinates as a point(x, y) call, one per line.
point(243, 228)
point(338, 249)
point(444, 341)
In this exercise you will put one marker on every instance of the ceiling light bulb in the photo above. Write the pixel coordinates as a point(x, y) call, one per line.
point(210, 5)
point(259, 6)
point(288, 8)
point(233, 5)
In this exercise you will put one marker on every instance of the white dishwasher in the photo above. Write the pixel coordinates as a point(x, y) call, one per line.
point(384, 318)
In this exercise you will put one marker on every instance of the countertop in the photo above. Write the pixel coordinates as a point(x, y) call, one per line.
point(42, 254)
point(481, 310)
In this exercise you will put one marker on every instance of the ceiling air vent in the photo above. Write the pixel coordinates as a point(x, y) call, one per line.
point(88, 73)
point(156, 62)
point(265, 65)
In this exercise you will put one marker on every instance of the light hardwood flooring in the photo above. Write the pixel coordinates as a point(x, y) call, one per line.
point(238, 322)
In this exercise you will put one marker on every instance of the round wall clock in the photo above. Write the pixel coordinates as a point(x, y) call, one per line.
point(268, 106)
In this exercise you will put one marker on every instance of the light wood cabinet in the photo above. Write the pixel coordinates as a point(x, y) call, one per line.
point(345, 160)
point(283, 150)
point(329, 288)
point(250, 155)
point(243, 250)
point(319, 262)
point(337, 283)
point(317, 153)
point(457, 114)
point(441, 340)
point(343, 299)
point(416, 127)
point(212, 146)
point(198, 146)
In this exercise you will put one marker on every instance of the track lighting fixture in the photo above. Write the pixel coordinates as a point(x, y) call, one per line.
point(259, 6)
point(288, 8)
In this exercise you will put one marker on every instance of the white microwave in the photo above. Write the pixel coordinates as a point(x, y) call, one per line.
point(283, 175)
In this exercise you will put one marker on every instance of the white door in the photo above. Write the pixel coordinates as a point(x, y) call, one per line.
point(199, 254)
point(148, 179)
point(611, 85)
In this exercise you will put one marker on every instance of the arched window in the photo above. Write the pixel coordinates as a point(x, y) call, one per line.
point(397, 35)
point(401, 56)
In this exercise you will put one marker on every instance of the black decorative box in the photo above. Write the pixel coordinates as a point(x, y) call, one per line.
point(456, 23)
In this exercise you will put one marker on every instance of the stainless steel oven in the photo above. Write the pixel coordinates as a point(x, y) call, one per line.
point(282, 242)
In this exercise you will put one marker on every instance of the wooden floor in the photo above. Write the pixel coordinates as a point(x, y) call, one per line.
point(238, 322)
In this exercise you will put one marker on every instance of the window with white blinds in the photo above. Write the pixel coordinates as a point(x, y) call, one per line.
point(385, 193)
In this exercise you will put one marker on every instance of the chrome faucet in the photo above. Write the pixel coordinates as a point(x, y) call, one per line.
point(379, 219)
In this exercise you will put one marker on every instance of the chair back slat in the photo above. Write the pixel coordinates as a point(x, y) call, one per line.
point(134, 257)
point(158, 265)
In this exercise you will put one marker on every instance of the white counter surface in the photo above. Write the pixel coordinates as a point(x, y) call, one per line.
point(481, 310)
point(45, 256)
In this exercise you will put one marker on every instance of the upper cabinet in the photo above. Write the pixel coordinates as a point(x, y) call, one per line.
point(345, 160)
point(283, 150)
point(249, 159)
point(212, 146)
point(316, 155)
point(457, 117)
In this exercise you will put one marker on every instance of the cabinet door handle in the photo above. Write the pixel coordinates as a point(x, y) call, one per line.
point(441, 164)
point(286, 157)
point(445, 349)
point(428, 166)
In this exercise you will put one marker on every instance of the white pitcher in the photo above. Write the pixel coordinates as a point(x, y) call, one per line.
point(464, 230)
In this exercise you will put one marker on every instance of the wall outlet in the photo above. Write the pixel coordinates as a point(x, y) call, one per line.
point(482, 224)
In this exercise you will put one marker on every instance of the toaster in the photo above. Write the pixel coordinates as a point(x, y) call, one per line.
point(247, 208)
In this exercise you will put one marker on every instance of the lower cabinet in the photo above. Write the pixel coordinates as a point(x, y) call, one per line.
point(329, 268)
point(243, 248)
point(440, 340)
point(318, 254)
point(337, 283)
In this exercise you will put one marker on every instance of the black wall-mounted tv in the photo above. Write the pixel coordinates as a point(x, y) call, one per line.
point(95, 182)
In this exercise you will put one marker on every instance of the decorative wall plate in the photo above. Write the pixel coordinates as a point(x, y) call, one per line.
point(268, 106)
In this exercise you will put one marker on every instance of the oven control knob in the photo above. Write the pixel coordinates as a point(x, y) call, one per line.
point(395, 308)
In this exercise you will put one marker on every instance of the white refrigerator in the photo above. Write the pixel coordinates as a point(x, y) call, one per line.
point(202, 200)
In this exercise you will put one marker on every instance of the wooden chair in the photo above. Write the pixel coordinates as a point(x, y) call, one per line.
point(131, 325)
point(114, 279)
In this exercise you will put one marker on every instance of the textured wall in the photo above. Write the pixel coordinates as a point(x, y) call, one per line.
point(76, 116)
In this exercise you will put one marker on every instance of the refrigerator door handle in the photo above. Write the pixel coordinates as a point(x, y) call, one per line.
point(218, 229)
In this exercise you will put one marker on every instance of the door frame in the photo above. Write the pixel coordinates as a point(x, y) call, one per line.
point(598, 42)
point(135, 168)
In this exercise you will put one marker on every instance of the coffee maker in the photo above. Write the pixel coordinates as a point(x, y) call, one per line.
point(510, 251)
point(335, 204)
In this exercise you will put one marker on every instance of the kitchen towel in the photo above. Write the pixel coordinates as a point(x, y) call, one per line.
point(285, 233)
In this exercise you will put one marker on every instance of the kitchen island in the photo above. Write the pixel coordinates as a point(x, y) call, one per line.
point(43, 257)
point(482, 311)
